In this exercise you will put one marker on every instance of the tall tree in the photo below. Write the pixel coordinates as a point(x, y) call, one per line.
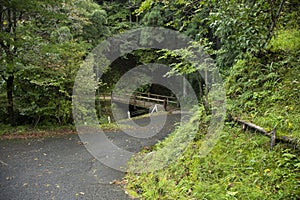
point(36, 40)
point(12, 14)
point(231, 27)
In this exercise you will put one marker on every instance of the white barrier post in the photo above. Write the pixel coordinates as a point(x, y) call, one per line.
point(154, 109)
point(128, 114)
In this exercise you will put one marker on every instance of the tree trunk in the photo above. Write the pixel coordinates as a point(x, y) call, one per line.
point(10, 102)
point(206, 104)
point(184, 87)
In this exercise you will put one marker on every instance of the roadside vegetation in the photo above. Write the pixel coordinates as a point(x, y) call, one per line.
point(241, 165)
point(263, 87)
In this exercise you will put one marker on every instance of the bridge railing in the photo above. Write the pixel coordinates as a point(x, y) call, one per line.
point(105, 96)
point(144, 97)
point(157, 97)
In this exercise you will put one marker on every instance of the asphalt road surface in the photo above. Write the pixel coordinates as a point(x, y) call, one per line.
point(61, 167)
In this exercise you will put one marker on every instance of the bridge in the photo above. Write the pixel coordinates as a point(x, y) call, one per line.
point(144, 100)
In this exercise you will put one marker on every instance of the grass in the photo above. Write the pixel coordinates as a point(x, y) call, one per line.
point(240, 166)
point(24, 132)
point(264, 90)
point(27, 131)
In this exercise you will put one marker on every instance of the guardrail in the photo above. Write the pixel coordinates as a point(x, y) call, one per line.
point(142, 99)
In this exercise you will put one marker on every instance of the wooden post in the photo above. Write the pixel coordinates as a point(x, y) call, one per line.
point(286, 139)
point(273, 138)
point(134, 101)
point(165, 104)
point(111, 98)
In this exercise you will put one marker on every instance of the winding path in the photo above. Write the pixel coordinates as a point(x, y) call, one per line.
point(61, 167)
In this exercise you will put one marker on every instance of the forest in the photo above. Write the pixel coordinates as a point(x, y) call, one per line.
point(254, 44)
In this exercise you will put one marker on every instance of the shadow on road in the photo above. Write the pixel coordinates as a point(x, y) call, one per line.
point(61, 167)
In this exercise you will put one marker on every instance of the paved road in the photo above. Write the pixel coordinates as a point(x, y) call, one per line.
point(61, 167)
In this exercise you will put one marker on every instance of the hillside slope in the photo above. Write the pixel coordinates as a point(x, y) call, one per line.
point(264, 89)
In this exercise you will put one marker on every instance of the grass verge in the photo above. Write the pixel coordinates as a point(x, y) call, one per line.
point(240, 166)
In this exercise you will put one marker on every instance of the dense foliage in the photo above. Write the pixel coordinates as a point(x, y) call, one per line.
point(264, 90)
point(43, 44)
point(256, 44)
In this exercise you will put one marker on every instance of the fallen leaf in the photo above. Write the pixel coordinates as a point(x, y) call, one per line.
point(80, 193)
point(230, 185)
point(115, 182)
point(81, 143)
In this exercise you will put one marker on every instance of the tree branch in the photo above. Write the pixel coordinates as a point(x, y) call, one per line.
point(274, 21)
point(3, 77)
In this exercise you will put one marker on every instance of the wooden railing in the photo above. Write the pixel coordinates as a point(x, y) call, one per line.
point(154, 97)
point(142, 99)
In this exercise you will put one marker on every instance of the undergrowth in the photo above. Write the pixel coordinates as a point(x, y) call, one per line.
point(266, 89)
point(25, 129)
point(240, 166)
point(263, 89)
